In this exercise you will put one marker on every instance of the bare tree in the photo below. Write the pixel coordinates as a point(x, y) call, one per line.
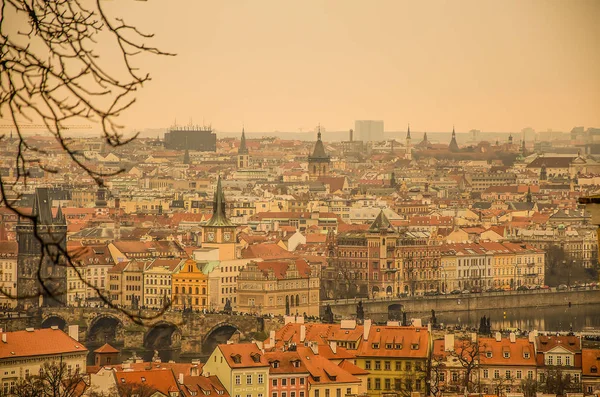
point(63, 61)
point(467, 353)
point(133, 390)
point(555, 380)
point(53, 380)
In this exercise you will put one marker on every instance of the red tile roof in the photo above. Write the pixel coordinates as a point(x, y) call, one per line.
point(106, 348)
point(243, 355)
point(39, 342)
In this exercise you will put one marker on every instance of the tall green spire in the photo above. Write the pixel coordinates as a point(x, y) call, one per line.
point(219, 218)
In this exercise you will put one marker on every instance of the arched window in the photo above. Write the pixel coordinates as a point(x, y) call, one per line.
point(183, 290)
point(197, 290)
point(203, 291)
point(176, 290)
point(297, 300)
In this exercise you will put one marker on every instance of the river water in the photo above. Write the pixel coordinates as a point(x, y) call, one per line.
point(554, 318)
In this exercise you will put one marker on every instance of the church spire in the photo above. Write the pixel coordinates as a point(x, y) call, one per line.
point(219, 217)
point(243, 149)
point(408, 132)
point(453, 147)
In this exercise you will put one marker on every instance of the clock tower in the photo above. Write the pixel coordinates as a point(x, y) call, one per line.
point(219, 232)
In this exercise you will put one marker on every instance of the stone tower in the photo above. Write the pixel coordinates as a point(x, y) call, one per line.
point(319, 162)
point(40, 243)
point(219, 231)
point(243, 156)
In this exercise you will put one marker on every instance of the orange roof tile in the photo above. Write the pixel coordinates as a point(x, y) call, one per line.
point(39, 342)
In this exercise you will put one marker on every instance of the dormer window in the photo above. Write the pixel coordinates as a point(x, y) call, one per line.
point(316, 378)
point(526, 355)
point(414, 346)
point(236, 358)
point(488, 354)
point(275, 364)
point(506, 354)
point(389, 346)
point(398, 346)
point(375, 345)
point(594, 369)
point(206, 392)
point(255, 357)
point(296, 364)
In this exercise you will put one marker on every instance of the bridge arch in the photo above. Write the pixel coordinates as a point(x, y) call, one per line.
point(105, 328)
point(395, 312)
point(54, 320)
point(218, 334)
point(163, 335)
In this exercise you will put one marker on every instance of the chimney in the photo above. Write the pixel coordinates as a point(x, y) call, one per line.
point(74, 332)
point(448, 342)
point(532, 336)
point(333, 345)
point(498, 337)
point(302, 333)
point(513, 337)
point(180, 378)
point(366, 329)
point(314, 347)
point(4, 337)
point(351, 135)
point(272, 338)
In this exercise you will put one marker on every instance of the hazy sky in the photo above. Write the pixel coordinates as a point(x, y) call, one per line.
point(285, 65)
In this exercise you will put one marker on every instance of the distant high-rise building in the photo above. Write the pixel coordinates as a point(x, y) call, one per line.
point(200, 139)
point(369, 130)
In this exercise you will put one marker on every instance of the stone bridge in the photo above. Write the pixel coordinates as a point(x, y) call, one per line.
point(192, 334)
point(383, 309)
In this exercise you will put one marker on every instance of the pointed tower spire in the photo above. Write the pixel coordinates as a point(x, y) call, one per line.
point(529, 198)
point(453, 147)
point(408, 132)
point(243, 149)
point(219, 217)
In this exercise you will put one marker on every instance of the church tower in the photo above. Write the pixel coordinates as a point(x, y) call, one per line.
point(319, 162)
point(219, 231)
point(52, 232)
point(453, 147)
point(408, 154)
point(243, 156)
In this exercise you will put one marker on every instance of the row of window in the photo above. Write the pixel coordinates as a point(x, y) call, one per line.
point(260, 379)
point(387, 365)
point(375, 384)
point(284, 382)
